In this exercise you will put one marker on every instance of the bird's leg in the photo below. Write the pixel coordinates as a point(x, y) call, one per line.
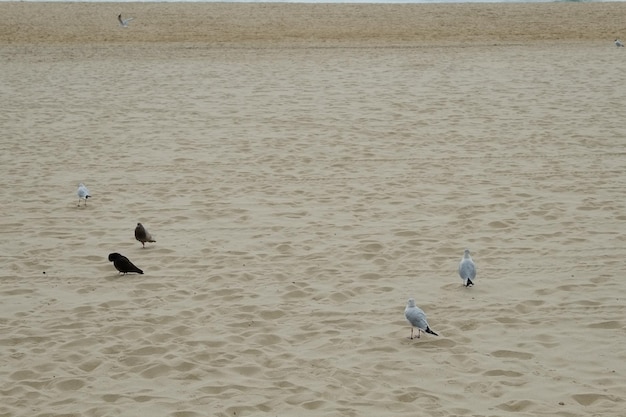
point(419, 333)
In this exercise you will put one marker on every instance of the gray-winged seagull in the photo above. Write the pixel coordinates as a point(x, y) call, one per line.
point(467, 269)
point(83, 193)
point(417, 318)
point(124, 22)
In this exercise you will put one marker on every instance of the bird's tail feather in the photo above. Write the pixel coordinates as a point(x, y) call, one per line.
point(431, 332)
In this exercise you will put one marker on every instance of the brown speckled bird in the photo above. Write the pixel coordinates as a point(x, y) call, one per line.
point(142, 235)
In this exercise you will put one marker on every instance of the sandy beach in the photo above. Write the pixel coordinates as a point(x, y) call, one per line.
point(304, 170)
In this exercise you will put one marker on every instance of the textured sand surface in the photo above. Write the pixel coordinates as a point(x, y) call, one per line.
point(305, 170)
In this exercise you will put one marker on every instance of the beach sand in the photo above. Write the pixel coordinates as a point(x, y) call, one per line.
point(305, 169)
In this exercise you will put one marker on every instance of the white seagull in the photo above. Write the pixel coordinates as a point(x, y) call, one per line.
point(619, 43)
point(83, 193)
point(467, 269)
point(124, 22)
point(417, 318)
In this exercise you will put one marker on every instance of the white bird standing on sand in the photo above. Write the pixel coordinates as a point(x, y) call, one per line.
point(83, 193)
point(124, 22)
point(619, 43)
point(467, 269)
point(417, 318)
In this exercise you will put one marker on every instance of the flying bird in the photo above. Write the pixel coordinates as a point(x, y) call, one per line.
point(467, 269)
point(123, 264)
point(417, 318)
point(83, 193)
point(124, 22)
point(142, 235)
point(619, 43)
